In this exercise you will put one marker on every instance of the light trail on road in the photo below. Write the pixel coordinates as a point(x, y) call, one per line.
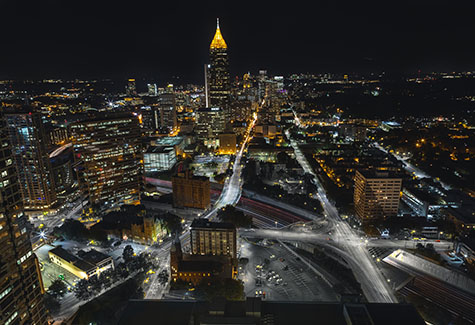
point(374, 285)
point(230, 195)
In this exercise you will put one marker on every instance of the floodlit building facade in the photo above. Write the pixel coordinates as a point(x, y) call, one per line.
point(191, 191)
point(109, 151)
point(21, 286)
point(90, 264)
point(227, 143)
point(213, 238)
point(376, 194)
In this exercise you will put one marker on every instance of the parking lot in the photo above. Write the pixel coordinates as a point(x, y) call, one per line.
point(272, 273)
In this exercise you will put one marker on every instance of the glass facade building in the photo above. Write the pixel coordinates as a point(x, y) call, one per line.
point(28, 140)
point(109, 154)
point(21, 287)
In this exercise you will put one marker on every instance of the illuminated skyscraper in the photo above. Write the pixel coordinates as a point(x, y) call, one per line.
point(21, 288)
point(218, 73)
point(210, 122)
point(152, 89)
point(109, 151)
point(376, 194)
point(28, 140)
point(167, 110)
point(131, 89)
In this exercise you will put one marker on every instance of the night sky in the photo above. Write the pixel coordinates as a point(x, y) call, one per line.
point(157, 40)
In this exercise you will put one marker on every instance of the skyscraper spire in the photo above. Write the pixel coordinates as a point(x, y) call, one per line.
point(218, 40)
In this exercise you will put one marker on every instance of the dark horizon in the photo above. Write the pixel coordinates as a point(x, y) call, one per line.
point(162, 41)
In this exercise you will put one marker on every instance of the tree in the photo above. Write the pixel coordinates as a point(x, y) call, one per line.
point(52, 305)
point(222, 288)
point(82, 291)
point(57, 289)
point(72, 229)
point(106, 278)
point(283, 157)
point(95, 284)
point(230, 214)
point(172, 223)
point(233, 289)
point(128, 254)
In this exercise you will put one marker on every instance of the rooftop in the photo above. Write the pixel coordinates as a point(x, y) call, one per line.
point(70, 258)
point(255, 311)
point(373, 173)
point(167, 141)
point(94, 257)
point(64, 254)
point(205, 223)
point(161, 149)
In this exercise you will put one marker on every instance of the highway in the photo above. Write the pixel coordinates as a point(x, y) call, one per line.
point(375, 287)
point(320, 237)
point(230, 194)
point(232, 188)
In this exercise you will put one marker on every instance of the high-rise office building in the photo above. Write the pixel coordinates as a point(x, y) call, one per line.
point(21, 287)
point(213, 238)
point(376, 194)
point(109, 151)
point(166, 114)
point(28, 140)
point(191, 191)
point(218, 73)
point(131, 89)
point(210, 122)
point(152, 89)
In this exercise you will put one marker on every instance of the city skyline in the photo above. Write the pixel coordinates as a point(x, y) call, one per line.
point(260, 197)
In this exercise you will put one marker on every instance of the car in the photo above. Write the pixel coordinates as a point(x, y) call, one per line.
point(285, 268)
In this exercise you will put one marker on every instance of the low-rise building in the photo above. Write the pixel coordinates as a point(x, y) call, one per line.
point(92, 262)
point(134, 224)
point(146, 230)
point(159, 159)
point(463, 218)
point(423, 204)
point(100, 261)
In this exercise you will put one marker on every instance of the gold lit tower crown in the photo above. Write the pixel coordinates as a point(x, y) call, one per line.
point(218, 40)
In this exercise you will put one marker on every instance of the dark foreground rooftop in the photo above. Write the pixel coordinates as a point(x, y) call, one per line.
point(256, 311)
